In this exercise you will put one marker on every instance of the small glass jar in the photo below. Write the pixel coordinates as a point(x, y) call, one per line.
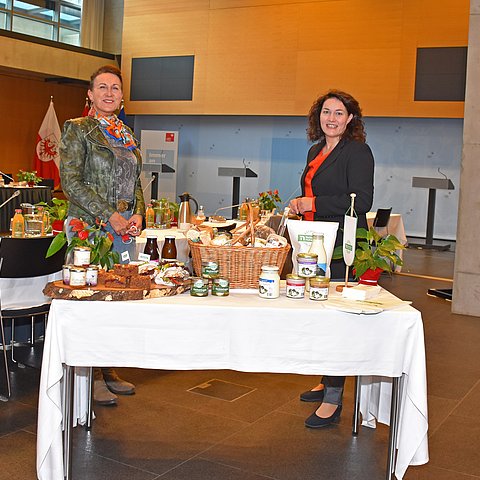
point(77, 276)
point(269, 282)
point(81, 256)
point(91, 275)
point(319, 288)
point(210, 269)
point(169, 249)
point(199, 287)
point(295, 286)
point(307, 264)
point(220, 287)
point(66, 274)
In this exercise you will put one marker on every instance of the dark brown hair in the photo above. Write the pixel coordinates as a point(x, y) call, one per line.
point(355, 128)
point(106, 69)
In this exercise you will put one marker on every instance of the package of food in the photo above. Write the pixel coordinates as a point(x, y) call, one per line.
point(301, 232)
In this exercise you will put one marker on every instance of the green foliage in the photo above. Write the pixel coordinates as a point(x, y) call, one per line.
point(373, 251)
point(268, 200)
point(23, 176)
point(57, 210)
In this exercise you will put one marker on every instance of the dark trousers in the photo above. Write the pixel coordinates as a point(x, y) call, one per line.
point(333, 389)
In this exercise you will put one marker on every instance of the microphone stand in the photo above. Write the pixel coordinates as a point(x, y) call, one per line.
point(15, 194)
point(8, 176)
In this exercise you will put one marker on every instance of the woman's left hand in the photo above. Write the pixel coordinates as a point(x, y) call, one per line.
point(136, 222)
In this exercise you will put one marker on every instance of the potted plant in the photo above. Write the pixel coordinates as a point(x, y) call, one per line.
point(269, 200)
point(30, 178)
point(374, 254)
point(57, 212)
point(95, 237)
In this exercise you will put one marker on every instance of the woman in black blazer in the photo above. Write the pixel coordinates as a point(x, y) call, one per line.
point(340, 163)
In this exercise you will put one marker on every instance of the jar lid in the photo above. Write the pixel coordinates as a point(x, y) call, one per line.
point(270, 268)
point(151, 237)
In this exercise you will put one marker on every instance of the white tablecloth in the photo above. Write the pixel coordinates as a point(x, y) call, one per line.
point(240, 332)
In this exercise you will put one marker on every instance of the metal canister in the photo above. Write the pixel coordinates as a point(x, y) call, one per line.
point(91, 275)
point(220, 287)
point(295, 286)
point(210, 269)
point(199, 287)
point(77, 276)
point(81, 256)
point(66, 274)
point(319, 288)
point(307, 264)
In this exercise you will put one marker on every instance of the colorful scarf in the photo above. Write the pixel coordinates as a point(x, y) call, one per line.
point(115, 128)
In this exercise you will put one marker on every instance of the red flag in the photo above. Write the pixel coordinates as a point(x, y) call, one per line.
point(47, 157)
point(86, 108)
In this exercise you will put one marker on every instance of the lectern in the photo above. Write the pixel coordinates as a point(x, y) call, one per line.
point(236, 173)
point(433, 184)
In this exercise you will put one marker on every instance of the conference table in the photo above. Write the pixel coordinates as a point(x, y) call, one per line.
point(240, 332)
point(31, 195)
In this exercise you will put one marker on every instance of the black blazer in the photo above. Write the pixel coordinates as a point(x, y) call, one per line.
point(348, 169)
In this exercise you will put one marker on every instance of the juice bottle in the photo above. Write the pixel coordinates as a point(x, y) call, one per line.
point(150, 216)
point(18, 224)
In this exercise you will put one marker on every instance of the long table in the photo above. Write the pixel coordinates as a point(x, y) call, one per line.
point(240, 332)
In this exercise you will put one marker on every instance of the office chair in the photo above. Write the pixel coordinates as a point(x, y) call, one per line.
point(382, 218)
point(24, 272)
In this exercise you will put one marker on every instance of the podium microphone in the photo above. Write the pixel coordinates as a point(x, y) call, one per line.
point(15, 194)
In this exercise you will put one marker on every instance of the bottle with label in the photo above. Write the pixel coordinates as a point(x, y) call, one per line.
point(318, 248)
point(18, 224)
point(169, 250)
point(150, 216)
point(201, 214)
point(151, 248)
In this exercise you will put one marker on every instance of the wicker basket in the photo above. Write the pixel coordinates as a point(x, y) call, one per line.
point(241, 265)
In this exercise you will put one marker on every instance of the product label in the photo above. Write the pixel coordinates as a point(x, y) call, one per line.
point(295, 291)
point(268, 288)
point(318, 293)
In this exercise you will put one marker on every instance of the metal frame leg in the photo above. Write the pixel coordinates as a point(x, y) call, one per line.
point(32, 331)
point(5, 358)
point(90, 399)
point(394, 416)
point(12, 340)
point(356, 408)
point(69, 377)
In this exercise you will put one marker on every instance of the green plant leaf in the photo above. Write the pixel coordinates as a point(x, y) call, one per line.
point(57, 244)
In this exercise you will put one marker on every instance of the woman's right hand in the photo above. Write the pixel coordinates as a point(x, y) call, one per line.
point(119, 224)
point(301, 205)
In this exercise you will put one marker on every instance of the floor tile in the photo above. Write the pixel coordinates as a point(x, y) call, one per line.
point(17, 455)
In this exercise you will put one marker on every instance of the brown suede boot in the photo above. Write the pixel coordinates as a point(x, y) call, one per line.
point(101, 394)
point(115, 384)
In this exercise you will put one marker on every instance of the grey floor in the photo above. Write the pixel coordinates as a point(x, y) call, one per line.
point(229, 425)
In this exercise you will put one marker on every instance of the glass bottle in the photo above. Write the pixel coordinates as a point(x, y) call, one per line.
point(18, 224)
point(150, 216)
point(43, 214)
point(169, 249)
point(201, 214)
point(243, 210)
point(151, 247)
point(318, 248)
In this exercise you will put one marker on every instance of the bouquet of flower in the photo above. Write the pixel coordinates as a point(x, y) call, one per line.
point(95, 237)
point(268, 200)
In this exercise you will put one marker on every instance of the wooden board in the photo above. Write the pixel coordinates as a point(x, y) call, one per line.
point(61, 291)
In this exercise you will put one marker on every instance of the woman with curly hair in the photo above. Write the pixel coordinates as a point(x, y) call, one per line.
point(338, 164)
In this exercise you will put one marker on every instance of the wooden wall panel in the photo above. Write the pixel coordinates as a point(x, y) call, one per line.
point(24, 103)
point(254, 57)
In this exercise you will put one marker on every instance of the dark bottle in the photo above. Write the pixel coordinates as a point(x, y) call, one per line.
point(151, 248)
point(169, 250)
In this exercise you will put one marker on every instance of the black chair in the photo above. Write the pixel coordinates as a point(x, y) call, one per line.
point(24, 259)
point(382, 218)
point(47, 182)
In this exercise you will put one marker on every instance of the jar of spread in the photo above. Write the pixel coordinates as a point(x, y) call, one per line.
point(199, 287)
point(210, 269)
point(307, 264)
point(91, 275)
point(295, 286)
point(66, 274)
point(220, 287)
point(81, 256)
point(269, 282)
point(319, 288)
point(77, 276)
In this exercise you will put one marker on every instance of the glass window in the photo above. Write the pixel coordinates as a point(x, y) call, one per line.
point(70, 16)
point(3, 20)
point(71, 37)
point(3, 3)
point(32, 27)
point(43, 9)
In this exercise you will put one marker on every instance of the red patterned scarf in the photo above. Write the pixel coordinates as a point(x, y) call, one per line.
point(115, 128)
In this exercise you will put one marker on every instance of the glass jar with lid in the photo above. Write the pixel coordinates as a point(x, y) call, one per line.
point(269, 282)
